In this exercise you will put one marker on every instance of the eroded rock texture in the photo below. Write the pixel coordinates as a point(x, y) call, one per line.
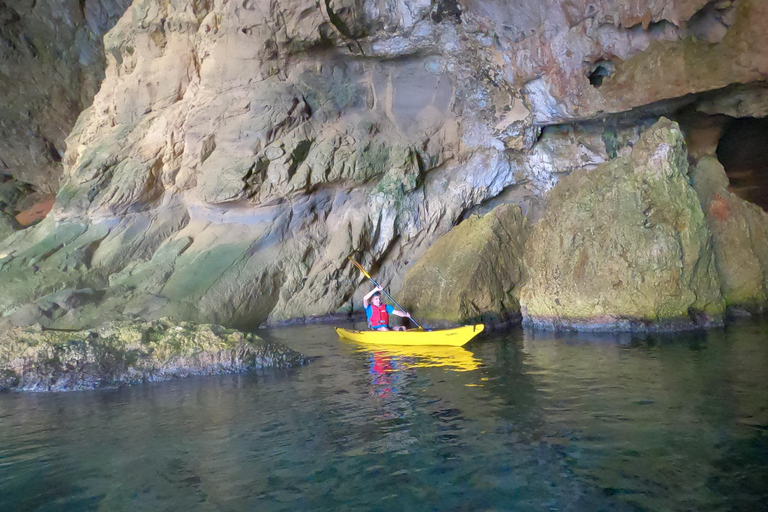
point(51, 66)
point(123, 353)
point(625, 244)
point(740, 237)
point(470, 275)
point(238, 152)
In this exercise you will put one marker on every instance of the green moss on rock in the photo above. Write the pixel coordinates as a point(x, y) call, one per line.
point(470, 274)
point(624, 246)
point(123, 353)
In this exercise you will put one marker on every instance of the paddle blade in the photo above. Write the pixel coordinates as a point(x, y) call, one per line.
point(359, 266)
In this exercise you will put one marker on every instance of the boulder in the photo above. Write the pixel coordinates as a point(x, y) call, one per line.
point(739, 237)
point(122, 353)
point(624, 246)
point(470, 274)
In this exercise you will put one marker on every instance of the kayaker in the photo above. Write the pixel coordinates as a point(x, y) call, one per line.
point(378, 313)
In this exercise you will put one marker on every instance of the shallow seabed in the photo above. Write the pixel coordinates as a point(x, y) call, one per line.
point(517, 421)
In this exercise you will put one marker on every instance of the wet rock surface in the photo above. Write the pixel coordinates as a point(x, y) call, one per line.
point(124, 353)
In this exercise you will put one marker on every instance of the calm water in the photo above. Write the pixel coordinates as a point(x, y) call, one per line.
point(519, 421)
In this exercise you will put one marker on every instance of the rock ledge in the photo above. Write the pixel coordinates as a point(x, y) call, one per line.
point(124, 353)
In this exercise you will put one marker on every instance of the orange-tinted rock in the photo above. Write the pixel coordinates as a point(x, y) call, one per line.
point(36, 212)
point(739, 237)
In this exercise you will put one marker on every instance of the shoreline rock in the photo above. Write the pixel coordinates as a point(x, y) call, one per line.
point(125, 353)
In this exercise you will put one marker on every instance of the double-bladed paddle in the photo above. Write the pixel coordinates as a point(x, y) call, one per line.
point(366, 274)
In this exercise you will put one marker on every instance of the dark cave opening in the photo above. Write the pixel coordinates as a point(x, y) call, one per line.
point(600, 71)
point(743, 151)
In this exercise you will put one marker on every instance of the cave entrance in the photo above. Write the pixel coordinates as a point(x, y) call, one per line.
point(743, 151)
point(600, 70)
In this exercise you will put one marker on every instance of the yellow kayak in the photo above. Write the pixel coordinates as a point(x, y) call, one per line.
point(453, 337)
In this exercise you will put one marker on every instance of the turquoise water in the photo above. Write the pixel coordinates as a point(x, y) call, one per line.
point(518, 421)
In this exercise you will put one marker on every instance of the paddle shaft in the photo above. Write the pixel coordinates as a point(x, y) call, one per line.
point(383, 290)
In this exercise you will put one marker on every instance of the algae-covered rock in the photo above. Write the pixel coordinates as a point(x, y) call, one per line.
point(238, 152)
point(624, 246)
point(122, 353)
point(470, 273)
point(739, 237)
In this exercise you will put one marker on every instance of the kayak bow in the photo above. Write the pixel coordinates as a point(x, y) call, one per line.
point(453, 337)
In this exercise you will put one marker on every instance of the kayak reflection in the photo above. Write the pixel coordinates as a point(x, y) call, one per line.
point(388, 358)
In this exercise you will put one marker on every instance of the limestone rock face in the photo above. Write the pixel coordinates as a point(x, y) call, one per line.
point(51, 66)
point(578, 60)
point(237, 152)
point(739, 237)
point(749, 100)
point(470, 274)
point(624, 246)
point(543, 61)
point(125, 353)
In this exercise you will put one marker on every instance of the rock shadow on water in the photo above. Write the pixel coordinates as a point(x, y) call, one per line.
point(694, 339)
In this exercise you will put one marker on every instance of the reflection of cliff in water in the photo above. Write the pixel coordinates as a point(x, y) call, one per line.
point(642, 409)
point(507, 375)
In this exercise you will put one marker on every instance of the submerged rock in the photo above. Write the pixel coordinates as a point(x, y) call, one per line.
point(624, 246)
point(123, 353)
point(739, 237)
point(470, 274)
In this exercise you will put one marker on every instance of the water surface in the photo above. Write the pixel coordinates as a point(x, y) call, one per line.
point(517, 421)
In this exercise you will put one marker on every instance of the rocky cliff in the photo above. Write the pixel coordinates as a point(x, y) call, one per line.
point(51, 66)
point(237, 152)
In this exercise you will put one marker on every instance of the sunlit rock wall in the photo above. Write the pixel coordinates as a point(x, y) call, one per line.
point(238, 152)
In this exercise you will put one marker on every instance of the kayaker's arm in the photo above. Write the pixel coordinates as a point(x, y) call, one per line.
point(401, 314)
point(367, 298)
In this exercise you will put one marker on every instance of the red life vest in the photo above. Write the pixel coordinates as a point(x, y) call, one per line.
point(379, 316)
